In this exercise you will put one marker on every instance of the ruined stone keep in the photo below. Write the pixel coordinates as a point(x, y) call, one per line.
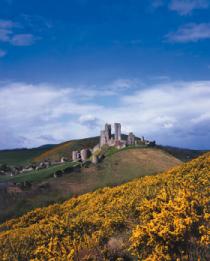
point(117, 128)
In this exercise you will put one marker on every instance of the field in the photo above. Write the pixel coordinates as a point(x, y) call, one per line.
point(37, 175)
point(118, 167)
point(159, 217)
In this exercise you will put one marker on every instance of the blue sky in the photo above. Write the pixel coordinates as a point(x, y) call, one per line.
point(68, 67)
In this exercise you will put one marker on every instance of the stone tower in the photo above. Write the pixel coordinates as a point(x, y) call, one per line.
point(108, 132)
point(117, 128)
point(102, 138)
point(131, 139)
point(85, 154)
point(75, 155)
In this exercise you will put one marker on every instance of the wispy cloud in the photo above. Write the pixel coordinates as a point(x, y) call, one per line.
point(7, 24)
point(5, 35)
point(185, 7)
point(23, 39)
point(2, 53)
point(190, 33)
point(14, 33)
point(6, 30)
point(165, 112)
point(36, 22)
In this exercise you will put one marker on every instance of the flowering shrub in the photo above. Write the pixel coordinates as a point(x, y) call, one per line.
point(162, 217)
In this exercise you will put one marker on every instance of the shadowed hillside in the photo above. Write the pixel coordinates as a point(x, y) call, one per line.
point(22, 156)
point(162, 217)
point(183, 154)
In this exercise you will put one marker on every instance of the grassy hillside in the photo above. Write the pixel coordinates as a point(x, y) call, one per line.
point(65, 149)
point(115, 169)
point(21, 156)
point(162, 217)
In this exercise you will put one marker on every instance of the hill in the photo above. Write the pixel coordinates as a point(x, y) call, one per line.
point(21, 156)
point(162, 217)
point(182, 153)
point(55, 152)
point(115, 169)
point(65, 149)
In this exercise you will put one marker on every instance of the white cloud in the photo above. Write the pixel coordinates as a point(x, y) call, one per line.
point(185, 7)
point(22, 39)
point(2, 53)
point(190, 33)
point(174, 113)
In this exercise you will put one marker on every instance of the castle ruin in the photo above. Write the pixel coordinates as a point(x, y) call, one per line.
point(107, 139)
point(131, 139)
point(117, 128)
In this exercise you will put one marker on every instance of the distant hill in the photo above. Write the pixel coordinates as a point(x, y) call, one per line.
point(161, 217)
point(21, 156)
point(182, 153)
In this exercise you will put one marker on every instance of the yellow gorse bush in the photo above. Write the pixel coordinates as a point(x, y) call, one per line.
point(162, 217)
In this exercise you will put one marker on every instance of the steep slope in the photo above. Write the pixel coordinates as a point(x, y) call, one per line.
point(162, 217)
point(115, 169)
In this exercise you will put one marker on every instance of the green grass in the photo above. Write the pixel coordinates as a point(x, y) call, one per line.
point(109, 151)
point(37, 175)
